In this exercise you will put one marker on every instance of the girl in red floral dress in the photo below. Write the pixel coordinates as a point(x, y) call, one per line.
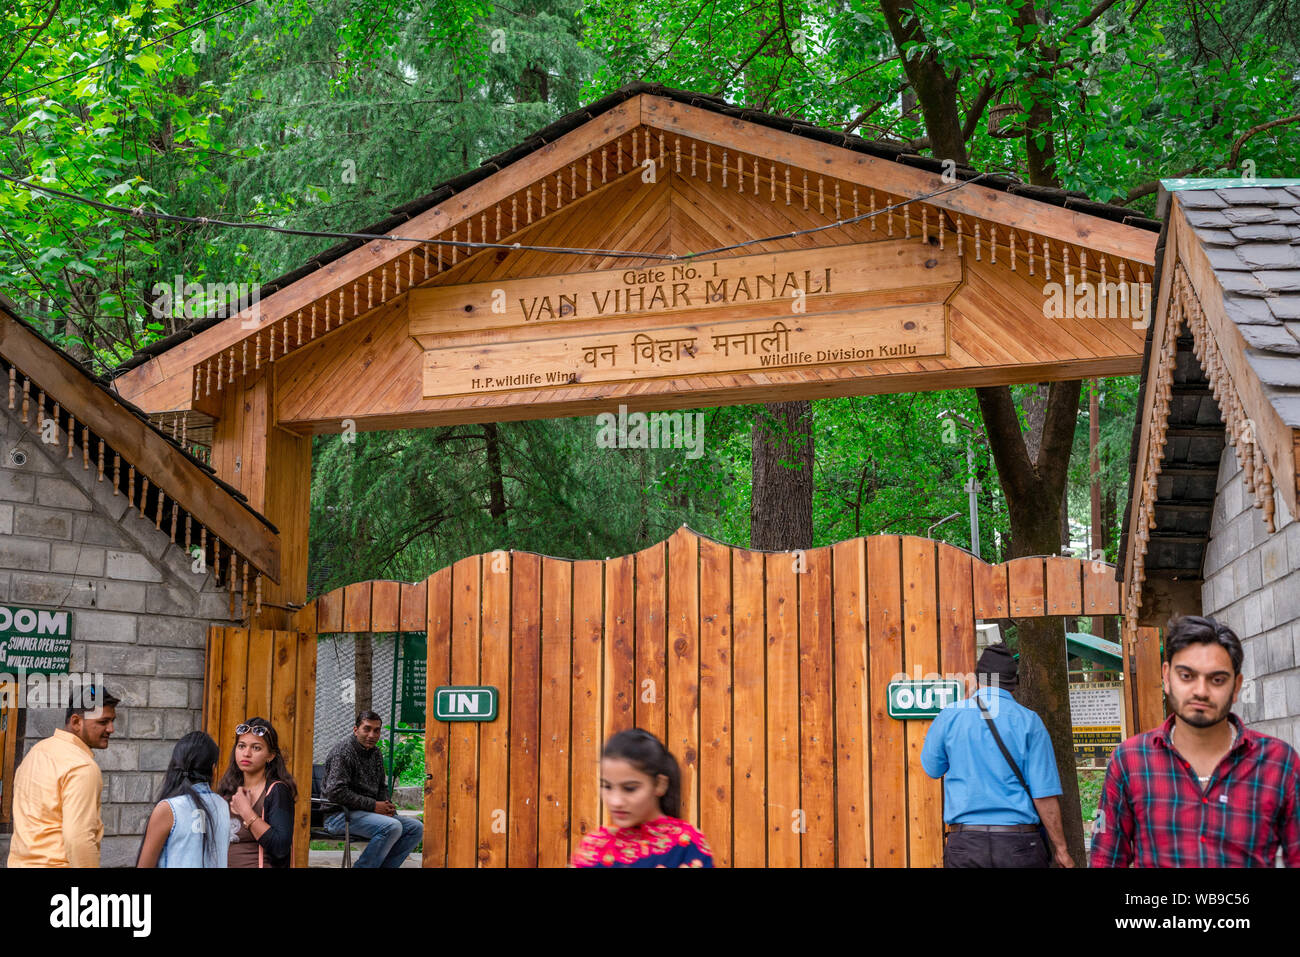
point(642, 786)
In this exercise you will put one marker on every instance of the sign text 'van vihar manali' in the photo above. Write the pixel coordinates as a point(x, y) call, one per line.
point(696, 317)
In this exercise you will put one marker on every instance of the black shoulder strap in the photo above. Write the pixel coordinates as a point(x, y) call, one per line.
point(988, 718)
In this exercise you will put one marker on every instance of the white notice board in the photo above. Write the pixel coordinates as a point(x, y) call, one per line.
point(1097, 714)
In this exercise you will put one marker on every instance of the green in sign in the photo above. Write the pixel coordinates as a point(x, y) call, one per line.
point(465, 703)
point(922, 699)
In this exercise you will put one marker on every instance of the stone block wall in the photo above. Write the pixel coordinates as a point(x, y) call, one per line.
point(140, 615)
point(1252, 584)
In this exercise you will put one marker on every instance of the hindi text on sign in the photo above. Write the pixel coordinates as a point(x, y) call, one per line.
point(702, 349)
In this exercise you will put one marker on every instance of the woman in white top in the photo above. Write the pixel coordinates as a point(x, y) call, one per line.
point(190, 826)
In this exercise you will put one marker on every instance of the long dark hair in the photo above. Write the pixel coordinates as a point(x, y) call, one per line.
point(648, 755)
point(193, 761)
point(276, 769)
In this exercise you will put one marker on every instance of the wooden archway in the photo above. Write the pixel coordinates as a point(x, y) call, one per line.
point(762, 261)
point(944, 285)
point(764, 672)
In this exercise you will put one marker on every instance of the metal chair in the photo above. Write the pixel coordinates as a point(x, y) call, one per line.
point(321, 809)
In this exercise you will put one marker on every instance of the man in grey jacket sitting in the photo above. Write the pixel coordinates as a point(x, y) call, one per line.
point(355, 779)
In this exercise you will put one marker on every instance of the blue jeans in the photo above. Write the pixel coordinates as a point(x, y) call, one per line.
point(390, 839)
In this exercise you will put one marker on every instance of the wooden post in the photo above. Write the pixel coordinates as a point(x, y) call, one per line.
point(1148, 691)
point(8, 747)
point(1128, 668)
point(272, 468)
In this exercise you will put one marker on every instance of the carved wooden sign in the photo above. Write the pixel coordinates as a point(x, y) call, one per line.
point(742, 314)
point(781, 279)
point(890, 333)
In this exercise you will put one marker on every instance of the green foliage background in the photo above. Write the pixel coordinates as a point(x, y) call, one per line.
point(325, 114)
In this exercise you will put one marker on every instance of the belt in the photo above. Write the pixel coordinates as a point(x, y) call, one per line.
point(996, 828)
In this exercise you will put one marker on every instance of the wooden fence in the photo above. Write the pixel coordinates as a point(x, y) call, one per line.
point(272, 675)
point(764, 672)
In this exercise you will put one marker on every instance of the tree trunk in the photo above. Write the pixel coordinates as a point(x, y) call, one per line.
point(75, 349)
point(781, 509)
point(780, 514)
point(363, 646)
point(1033, 490)
point(936, 90)
point(1109, 623)
point(990, 547)
point(496, 478)
point(1040, 147)
point(1065, 521)
point(1032, 483)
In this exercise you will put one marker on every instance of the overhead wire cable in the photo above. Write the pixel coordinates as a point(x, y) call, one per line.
point(140, 212)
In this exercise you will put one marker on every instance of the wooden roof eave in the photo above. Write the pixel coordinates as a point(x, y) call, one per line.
point(1276, 439)
point(974, 200)
point(167, 381)
point(168, 468)
point(1279, 443)
point(1141, 501)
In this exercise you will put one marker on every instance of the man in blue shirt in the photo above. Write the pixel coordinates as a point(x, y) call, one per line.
point(991, 820)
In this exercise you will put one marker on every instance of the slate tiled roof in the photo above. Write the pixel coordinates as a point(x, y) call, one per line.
point(1251, 235)
point(893, 151)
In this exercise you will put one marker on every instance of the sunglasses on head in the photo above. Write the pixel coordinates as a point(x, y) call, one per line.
point(256, 729)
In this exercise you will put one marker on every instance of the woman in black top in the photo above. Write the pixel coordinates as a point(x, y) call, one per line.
point(262, 795)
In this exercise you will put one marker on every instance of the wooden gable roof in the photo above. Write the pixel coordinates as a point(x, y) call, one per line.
point(1222, 365)
point(580, 170)
point(117, 441)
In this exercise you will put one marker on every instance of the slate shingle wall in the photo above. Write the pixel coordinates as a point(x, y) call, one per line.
point(1252, 584)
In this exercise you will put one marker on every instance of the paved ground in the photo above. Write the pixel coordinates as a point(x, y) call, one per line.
point(335, 858)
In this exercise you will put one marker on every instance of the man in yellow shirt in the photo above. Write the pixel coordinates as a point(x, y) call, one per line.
point(57, 786)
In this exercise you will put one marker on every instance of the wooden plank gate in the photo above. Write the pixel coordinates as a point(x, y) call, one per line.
point(764, 672)
point(272, 675)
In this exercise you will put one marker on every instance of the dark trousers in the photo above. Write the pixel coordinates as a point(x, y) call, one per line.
point(994, 849)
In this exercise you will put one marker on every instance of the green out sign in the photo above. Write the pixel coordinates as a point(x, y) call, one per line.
point(465, 703)
point(922, 699)
point(35, 640)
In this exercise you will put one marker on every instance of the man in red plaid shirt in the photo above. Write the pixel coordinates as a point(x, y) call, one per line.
point(1202, 790)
